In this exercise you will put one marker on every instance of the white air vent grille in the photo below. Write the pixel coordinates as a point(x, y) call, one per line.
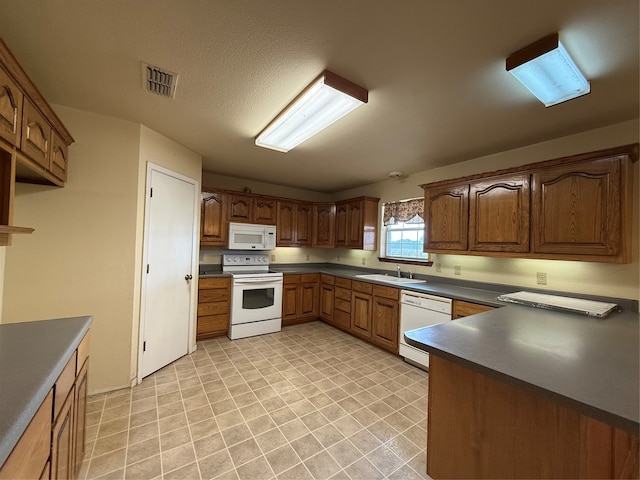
point(159, 80)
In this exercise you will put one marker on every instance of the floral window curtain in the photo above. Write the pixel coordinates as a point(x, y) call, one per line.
point(403, 211)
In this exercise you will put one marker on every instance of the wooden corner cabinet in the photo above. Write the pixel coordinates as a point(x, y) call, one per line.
point(33, 141)
point(571, 208)
point(214, 307)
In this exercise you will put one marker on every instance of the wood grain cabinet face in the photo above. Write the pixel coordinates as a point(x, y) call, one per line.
point(341, 225)
point(499, 214)
point(214, 302)
point(304, 224)
point(80, 417)
point(59, 153)
point(62, 465)
point(300, 298)
point(10, 109)
point(447, 218)
point(385, 318)
point(324, 222)
point(36, 135)
point(264, 211)
point(286, 227)
point(327, 293)
point(240, 208)
point(464, 309)
point(213, 224)
point(357, 223)
point(577, 208)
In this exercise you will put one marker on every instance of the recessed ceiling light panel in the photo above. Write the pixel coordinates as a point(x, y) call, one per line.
point(547, 70)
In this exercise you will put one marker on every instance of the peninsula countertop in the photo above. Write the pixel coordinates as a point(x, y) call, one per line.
point(32, 356)
point(586, 363)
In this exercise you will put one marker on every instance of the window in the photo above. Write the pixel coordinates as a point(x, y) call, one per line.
point(403, 230)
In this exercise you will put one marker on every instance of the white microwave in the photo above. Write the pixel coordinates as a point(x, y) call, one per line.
point(248, 236)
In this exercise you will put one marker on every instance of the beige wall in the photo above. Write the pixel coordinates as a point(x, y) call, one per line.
point(613, 280)
point(81, 258)
point(84, 257)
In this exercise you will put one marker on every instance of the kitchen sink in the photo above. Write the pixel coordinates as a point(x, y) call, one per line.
point(378, 277)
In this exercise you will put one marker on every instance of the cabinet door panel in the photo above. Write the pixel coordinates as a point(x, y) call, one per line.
point(10, 109)
point(286, 232)
point(80, 416)
point(341, 225)
point(62, 466)
point(447, 215)
point(264, 211)
point(385, 323)
point(212, 325)
point(499, 214)
point(59, 154)
point(324, 221)
point(576, 208)
point(361, 314)
point(214, 219)
point(308, 300)
point(36, 134)
point(289, 303)
point(304, 223)
point(354, 225)
point(326, 301)
point(240, 208)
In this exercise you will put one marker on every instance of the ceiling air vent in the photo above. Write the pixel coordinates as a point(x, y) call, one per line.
point(159, 81)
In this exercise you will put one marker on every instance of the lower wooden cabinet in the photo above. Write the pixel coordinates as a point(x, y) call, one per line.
point(465, 309)
point(361, 308)
point(327, 300)
point(300, 294)
point(214, 297)
point(385, 317)
point(342, 303)
point(53, 444)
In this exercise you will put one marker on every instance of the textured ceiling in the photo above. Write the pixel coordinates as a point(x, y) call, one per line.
point(438, 90)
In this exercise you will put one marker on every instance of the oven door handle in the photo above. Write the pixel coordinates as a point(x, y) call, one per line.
point(247, 281)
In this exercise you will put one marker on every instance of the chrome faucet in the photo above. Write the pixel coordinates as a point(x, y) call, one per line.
point(398, 270)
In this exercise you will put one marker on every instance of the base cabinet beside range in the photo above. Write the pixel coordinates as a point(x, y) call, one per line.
point(214, 301)
point(300, 294)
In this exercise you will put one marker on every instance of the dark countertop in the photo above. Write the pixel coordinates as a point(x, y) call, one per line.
point(32, 356)
point(586, 363)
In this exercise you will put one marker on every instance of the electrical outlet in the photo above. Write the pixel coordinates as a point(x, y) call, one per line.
point(438, 267)
point(541, 278)
point(273, 258)
point(364, 261)
point(457, 270)
point(307, 257)
point(338, 259)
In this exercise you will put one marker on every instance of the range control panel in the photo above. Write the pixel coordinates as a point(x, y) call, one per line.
point(245, 259)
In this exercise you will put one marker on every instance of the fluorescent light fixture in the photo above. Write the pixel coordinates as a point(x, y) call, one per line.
point(547, 70)
point(328, 98)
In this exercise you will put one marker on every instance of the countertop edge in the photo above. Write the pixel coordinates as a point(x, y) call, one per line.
point(9, 440)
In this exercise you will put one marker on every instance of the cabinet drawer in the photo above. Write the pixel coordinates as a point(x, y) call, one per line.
point(386, 292)
point(218, 282)
point(212, 308)
point(29, 457)
point(213, 324)
point(328, 279)
point(291, 278)
point(343, 293)
point(343, 305)
point(10, 110)
point(342, 319)
point(362, 287)
point(36, 135)
point(309, 277)
point(465, 309)
point(213, 295)
point(343, 282)
point(63, 384)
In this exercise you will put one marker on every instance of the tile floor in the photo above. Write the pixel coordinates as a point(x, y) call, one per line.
point(310, 402)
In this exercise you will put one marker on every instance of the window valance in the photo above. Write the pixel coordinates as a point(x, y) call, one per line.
point(403, 211)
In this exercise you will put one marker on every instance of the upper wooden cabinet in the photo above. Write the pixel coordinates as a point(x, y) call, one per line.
point(577, 209)
point(499, 214)
point(446, 218)
point(357, 223)
point(324, 225)
point(33, 140)
point(250, 209)
point(572, 208)
point(294, 225)
point(213, 224)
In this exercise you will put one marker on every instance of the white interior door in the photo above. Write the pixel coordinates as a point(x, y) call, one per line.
point(168, 269)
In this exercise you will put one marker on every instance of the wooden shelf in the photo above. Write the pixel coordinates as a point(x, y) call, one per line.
point(10, 229)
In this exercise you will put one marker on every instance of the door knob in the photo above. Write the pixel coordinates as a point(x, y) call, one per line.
point(188, 277)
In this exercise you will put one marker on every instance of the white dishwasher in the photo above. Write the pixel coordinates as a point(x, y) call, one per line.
point(418, 310)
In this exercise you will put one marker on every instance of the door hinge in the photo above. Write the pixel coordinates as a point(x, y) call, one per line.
point(147, 268)
point(151, 192)
point(144, 346)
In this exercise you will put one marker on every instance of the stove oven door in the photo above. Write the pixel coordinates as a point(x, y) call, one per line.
point(256, 299)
